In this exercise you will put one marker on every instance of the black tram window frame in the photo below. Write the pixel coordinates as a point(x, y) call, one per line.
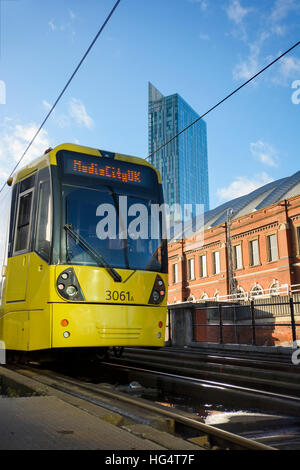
point(13, 209)
point(31, 189)
point(44, 176)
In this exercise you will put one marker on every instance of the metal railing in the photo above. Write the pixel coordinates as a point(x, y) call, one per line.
point(243, 316)
point(273, 321)
point(251, 295)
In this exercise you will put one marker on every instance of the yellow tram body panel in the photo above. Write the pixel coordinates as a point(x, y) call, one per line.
point(34, 309)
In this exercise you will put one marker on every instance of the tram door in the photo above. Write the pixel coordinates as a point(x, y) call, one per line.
point(18, 262)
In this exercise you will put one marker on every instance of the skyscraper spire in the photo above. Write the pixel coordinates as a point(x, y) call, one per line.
point(154, 94)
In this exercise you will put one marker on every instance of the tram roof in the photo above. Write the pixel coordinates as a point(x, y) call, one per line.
point(49, 158)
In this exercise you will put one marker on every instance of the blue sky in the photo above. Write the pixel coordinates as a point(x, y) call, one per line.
point(201, 49)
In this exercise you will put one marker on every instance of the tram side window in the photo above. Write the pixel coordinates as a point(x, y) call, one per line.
point(23, 223)
point(43, 232)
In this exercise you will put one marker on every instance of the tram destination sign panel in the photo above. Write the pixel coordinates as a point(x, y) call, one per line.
point(109, 170)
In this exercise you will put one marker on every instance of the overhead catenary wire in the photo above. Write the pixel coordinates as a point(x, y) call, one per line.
point(224, 99)
point(63, 91)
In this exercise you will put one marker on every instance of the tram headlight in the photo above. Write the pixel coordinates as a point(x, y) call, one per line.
point(158, 292)
point(71, 291)
point(68, 286)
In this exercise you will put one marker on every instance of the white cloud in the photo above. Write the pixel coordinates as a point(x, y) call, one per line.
point(78, 112)
point(282, 8)
point(279, 30)
point(279, 13)
point(203, 4)
point(289, 66)
point(265, 153)
point(287, 70)
point(276, 21)
point(204, 37)
point(243, 185)
point(53, 27)
point(66, 26)
point(15, 136)
point(236, 12)
point(14, 139)
point(47, 105)
point(247, 68)
point(250, 66)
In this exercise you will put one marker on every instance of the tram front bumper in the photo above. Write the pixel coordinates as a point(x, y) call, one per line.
point(97, 325)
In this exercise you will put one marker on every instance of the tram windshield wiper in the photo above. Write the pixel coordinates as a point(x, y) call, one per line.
point(97, 257)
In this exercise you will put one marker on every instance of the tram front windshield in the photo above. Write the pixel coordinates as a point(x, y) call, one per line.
point(115, 220)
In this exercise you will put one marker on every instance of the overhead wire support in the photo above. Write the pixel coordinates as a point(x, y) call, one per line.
point(63, 90)
point(224, 99)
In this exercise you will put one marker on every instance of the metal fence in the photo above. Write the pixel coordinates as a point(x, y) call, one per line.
point(261, 322)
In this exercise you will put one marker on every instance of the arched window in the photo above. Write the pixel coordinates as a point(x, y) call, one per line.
point(204, 296)
point(256, 291)
point(191, 298)
point(274, 287)
point(217, 296)
point(240, 294)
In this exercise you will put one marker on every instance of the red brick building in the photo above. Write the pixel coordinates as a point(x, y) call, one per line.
point(264, 242)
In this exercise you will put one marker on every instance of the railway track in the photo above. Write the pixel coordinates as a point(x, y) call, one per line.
point(266, 373)
point(266, 416)
point(138, 409)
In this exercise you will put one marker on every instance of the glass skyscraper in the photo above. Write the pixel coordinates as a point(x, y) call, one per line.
point(183, 162)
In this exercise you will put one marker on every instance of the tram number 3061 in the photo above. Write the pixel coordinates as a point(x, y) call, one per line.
point(121, 296)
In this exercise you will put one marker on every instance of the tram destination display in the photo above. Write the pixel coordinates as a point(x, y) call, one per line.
point(108, 169)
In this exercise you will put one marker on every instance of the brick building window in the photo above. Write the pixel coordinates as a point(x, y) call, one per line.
point(256, 291)
point(175, 273)
point(203, 266)
point(274, 288)
point(240, 294)
point(298, 239)
point(237, 257)
point(191, 269)
point(216, 262)
point(272, 247)
point(254, 252)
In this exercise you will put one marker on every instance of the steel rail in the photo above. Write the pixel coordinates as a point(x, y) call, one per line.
point(219, 357)
point(241, 442)
point(212, 383)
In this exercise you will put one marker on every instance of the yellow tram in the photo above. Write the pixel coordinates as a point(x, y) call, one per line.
point(73, 277)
